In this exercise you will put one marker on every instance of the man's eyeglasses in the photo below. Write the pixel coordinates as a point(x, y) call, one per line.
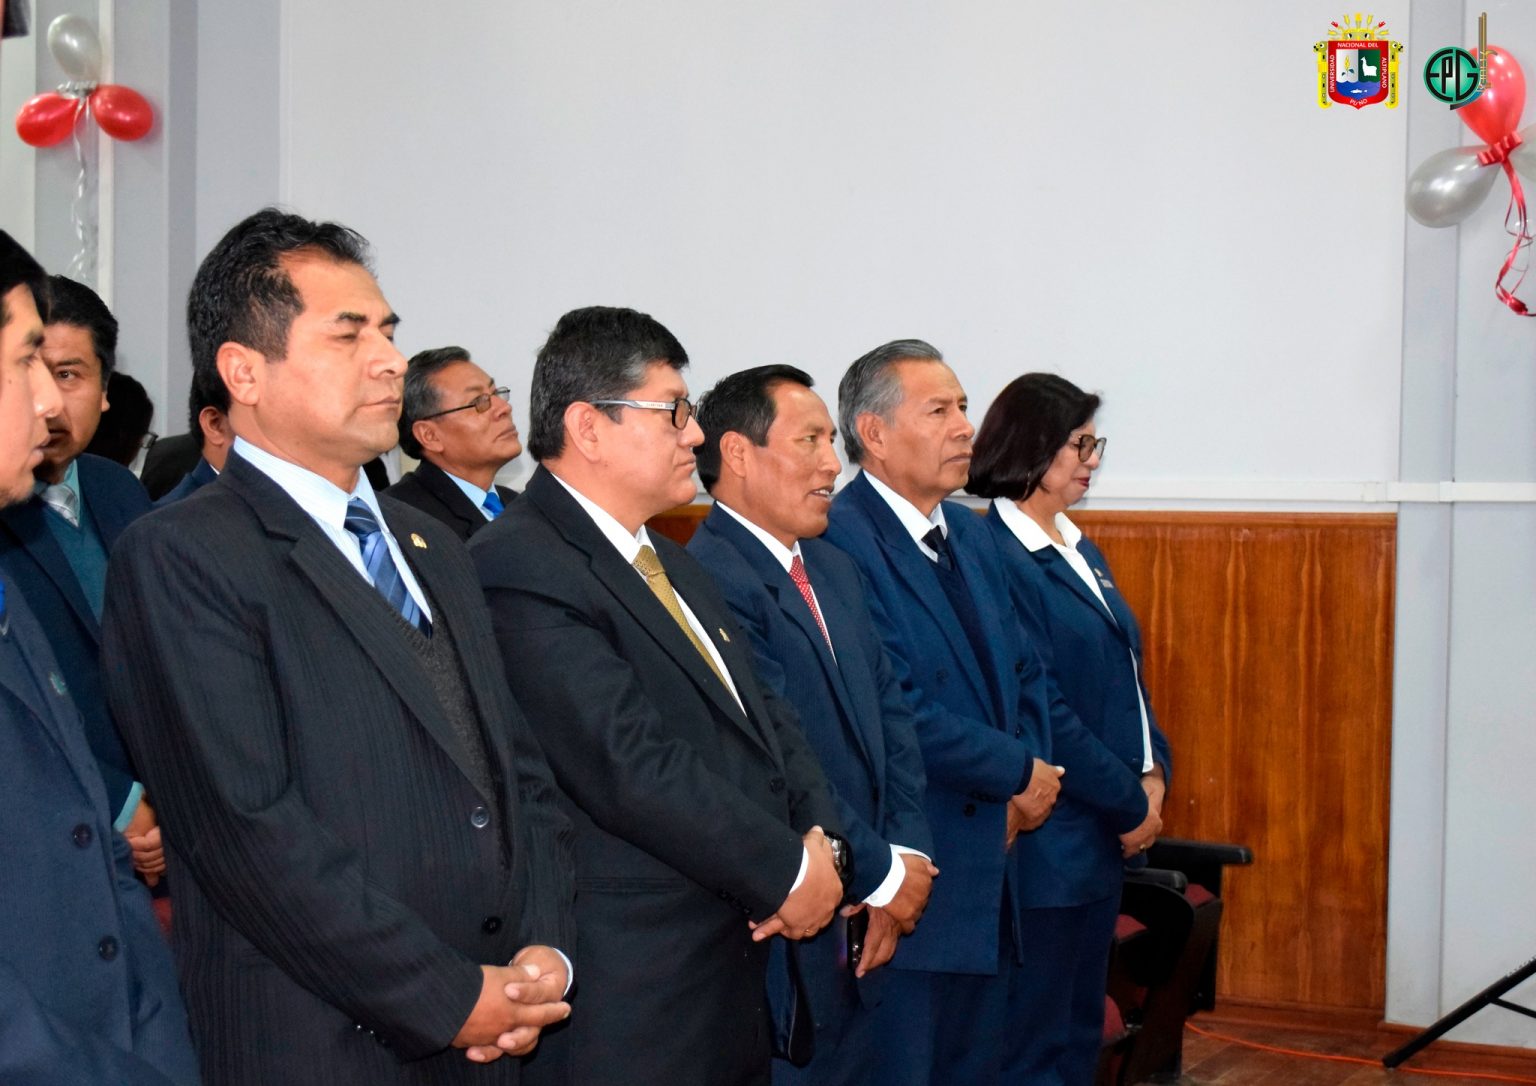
point(481, 404)
point(1087, 445)
point(681, 409)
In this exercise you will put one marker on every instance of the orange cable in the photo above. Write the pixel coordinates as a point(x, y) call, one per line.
point(1354, 1059)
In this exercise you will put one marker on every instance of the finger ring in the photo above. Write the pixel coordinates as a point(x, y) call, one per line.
point(808, 932)
point(1142, 849)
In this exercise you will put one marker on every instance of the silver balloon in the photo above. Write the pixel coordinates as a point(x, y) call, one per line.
point(1524, 156)
point(1449, 186)
point(73, 42)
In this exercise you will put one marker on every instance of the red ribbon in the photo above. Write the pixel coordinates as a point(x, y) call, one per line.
point(1499, 152)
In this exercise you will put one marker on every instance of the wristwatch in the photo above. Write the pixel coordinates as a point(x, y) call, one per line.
point(842, 858)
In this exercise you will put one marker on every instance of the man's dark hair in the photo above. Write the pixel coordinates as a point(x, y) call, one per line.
point(596, 353)
point(1025, 428)
point(204, 392)
point(870, 387)
point(14, 25)
point(78, 305)
point(743, 403)
point(242, 293)
point(18, 269)
point(420, 396)
point(125, 423)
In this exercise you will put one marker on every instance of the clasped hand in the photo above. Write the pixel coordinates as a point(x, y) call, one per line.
point(810, 906)
point(516, 1002)
point(1030, 808)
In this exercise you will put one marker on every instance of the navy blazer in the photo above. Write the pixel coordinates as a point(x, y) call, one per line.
point(980, 723)
point(31, 555)
point(87, 992)
point(1087, 649)
point(191, 482)
point(430, 489)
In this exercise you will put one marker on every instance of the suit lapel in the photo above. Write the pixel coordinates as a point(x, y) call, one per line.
point(629, 588)
point(869, 735)
point(26, 523)
point(436, 482)
point(361, 609)
point(916, 571)
point(1059, 570)
point(111, 517)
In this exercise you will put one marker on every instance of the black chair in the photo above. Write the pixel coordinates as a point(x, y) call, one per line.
point(1161, 979)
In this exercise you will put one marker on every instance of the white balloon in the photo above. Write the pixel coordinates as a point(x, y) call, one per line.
point(73, 42)
point(1448, 186)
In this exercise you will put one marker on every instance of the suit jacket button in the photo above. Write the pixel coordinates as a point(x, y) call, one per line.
point(970, 809)
point(479, 818)
point(941, 675)
point(776, 785)
point(107, 948)
point(491, 925)
point(1018, 667)
point(81, 835)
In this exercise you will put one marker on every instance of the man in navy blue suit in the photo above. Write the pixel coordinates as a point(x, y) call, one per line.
point(769, 462)
point(87, 993)
point(990, 722)
point(55, 545)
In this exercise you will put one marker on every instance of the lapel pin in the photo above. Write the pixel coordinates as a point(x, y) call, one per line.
point(724, 636)
point(417, 541)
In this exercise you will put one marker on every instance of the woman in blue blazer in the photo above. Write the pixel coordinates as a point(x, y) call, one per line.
point(1034, 458)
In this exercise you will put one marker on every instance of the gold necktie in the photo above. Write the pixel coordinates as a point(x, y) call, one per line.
point(656, 577)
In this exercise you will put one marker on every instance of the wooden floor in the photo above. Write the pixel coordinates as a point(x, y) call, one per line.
point(1209, 1060)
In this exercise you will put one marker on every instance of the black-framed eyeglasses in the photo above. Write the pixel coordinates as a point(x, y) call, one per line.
point(1087, 445)
point(481, 404)
point(681, 409)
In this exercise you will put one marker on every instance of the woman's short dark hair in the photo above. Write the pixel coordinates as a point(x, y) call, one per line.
point(1025, 428)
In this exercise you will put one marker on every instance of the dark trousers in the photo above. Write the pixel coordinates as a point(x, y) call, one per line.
point(1057, 1006)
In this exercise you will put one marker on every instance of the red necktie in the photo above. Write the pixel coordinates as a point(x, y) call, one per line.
point(803, 583)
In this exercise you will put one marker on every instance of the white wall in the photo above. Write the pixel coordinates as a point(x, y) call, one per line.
point(1075, 187)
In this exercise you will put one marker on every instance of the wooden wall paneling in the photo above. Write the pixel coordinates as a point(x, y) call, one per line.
point(1269, 659)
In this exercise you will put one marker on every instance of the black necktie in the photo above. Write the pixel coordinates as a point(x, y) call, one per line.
point(940, 546)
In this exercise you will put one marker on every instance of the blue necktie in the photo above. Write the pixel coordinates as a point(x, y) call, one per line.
point(381, 567)
point(492, 504)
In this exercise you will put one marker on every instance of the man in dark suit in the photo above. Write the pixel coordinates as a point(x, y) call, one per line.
point(361, 827)
point(988, 717)
point(459, 425)
point(208, 415)
point(55, 545)
point(87, 992)
point(768, 460)
point(698, 806)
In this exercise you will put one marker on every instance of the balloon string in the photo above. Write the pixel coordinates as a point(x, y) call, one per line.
point(1522, 236)
point(83, 266)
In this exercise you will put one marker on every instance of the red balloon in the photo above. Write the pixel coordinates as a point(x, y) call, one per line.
point(122, 112)
point(1495, 113)
point(47, 119)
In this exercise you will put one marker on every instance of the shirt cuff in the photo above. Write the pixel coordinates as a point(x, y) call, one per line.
point(885, 893)
point(130, 806)
point(805, 865)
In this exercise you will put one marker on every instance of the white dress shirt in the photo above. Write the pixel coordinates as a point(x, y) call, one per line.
point(326, 503)
point(913, 521)
point(1035, 538)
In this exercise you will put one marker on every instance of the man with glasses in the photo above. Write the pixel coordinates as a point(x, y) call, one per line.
point(458, 423)
point(699, 808)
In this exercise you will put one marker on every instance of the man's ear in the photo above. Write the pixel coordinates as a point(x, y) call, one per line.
point(581, 431)
point(872, 431)
point(243, 371)
point(733, 453)
point(215, 426)
point(427, 435)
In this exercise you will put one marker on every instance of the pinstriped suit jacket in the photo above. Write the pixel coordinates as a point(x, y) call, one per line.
point(338, 874)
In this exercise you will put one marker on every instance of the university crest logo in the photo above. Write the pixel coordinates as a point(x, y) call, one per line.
point(1357, 65)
